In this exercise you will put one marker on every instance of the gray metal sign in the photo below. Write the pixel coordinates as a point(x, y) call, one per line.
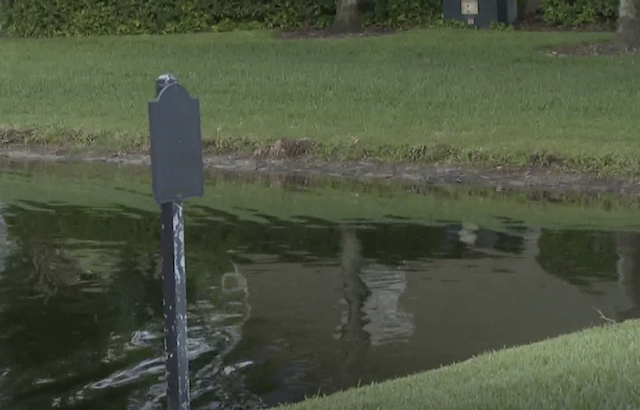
point(176, 143)
point(176, 168)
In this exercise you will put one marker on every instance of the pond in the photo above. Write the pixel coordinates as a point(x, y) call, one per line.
point(280, 308)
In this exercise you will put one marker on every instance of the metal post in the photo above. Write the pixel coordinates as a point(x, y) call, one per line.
point(175, 294)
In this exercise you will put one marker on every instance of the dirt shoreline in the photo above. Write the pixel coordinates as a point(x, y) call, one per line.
point(498, 177)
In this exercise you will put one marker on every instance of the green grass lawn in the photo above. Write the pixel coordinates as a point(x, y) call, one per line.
point(466, 96)
point(594, 369)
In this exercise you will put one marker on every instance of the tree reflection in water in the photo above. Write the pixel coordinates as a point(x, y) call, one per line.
point(628, 268)
point(352, 333)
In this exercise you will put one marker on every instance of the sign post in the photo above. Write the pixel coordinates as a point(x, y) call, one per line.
point(177, 174)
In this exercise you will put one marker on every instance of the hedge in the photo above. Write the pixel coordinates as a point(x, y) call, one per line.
point(46, 18)
point(576, 13)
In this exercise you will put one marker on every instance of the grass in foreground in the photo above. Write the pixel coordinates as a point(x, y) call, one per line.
point(463, 96)
point(106, 186)
point(594, 369)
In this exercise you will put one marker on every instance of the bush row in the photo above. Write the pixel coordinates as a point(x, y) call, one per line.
point(108, 17)
point(102, 17)
point(576, 13)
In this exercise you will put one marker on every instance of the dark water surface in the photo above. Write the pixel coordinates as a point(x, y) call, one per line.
point(281, 309)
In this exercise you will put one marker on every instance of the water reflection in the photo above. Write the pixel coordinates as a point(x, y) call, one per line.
point(373, 314)
point(628, 268)
point(279, 310)
point(351, 332)
point(5, 244)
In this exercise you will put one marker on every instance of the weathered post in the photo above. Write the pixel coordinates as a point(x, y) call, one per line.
point(177, 174)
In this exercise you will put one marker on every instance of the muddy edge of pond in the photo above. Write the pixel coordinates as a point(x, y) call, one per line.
point(498, 177)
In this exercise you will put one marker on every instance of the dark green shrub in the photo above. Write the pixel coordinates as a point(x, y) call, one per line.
point(522, 9)
point(5, 8)
point(298, 13)
point(45, 18)
point(97, 17)
point(575, 13)
point(401, 13)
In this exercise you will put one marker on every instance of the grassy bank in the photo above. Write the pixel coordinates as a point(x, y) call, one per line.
point(471, 97)
point(589, 370)
point(332, 200)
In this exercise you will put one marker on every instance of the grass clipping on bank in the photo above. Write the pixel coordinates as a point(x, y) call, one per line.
point(429, 96)
point(593, 369)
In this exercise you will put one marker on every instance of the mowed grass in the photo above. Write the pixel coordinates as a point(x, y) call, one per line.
point(594, 369)
point(438, 95)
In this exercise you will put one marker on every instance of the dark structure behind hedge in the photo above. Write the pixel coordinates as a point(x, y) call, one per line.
point(46, 18)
